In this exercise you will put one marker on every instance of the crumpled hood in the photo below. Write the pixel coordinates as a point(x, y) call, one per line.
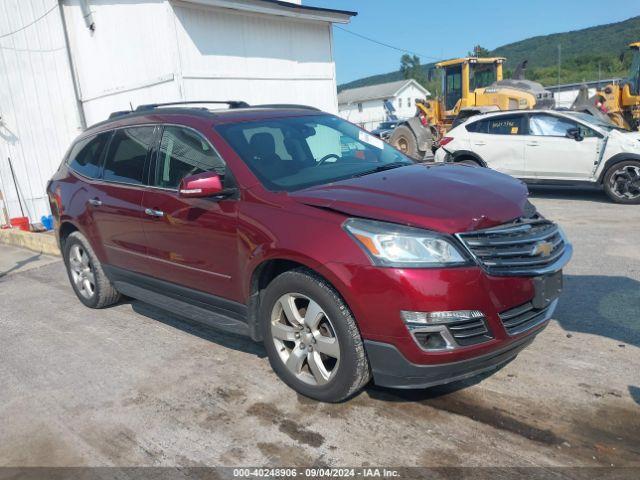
point(447, 198)
point(626, 139)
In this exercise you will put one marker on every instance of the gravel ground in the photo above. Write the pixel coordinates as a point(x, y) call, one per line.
point(134, 386)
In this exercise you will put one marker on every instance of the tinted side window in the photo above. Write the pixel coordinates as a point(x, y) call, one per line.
point(127, 155)
point(508, 125)
point(184, 152)
point(85, 155)
point(478, 127)
point(586, 132)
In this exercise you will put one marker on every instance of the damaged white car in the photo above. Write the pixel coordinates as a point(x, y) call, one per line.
point(550, 147)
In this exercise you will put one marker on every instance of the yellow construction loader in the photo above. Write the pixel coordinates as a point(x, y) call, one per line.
point(620, 102)
point(470, 85)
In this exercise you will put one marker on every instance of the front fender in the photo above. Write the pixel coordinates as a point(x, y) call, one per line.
point(617, 158)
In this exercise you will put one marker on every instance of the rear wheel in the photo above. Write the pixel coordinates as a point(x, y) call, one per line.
point(87, 277)
point(311, 337)
point(622, 182)
point(404, 140)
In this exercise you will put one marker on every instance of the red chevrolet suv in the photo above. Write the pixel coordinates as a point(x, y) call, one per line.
point(300, 230)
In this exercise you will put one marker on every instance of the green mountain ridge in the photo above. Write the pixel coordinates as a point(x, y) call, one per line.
point(586, 54)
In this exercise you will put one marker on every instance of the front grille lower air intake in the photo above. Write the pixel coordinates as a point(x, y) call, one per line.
point(532, 246)
point(525, 317)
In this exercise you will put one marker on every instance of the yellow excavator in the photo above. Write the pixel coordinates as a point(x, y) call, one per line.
point(618, 102)
point(470, 85)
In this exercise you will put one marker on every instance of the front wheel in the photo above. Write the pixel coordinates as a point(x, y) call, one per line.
point(404, 140)
point(311, 337)
point(622, 182)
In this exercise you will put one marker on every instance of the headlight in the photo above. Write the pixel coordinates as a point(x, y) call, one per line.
point(391, 245)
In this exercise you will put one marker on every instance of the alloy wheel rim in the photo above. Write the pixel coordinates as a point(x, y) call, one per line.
point(305, 339)
point(82, 272)
point(403, 145)
point(625, 182)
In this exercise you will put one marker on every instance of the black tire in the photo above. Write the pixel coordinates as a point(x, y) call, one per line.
point(103, 293)
point(353, 371)
point(616, 175)
point(404, 140)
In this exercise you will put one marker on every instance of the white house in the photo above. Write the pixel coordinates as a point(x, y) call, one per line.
point(365, 105)
point(66, 64)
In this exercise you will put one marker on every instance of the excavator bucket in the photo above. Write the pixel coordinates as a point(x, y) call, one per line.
point(586, 104)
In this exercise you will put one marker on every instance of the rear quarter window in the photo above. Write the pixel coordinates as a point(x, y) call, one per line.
point(85, 155)
point(477, 127)
point(507, 125)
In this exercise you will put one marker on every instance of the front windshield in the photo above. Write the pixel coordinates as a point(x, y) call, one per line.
point(482, 75)
point(292, 153)
point(595, 121)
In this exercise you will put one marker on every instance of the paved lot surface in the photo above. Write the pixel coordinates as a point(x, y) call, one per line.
point(131, 385)
point(14, 259)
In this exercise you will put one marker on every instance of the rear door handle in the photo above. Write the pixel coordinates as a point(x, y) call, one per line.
point(480, 143)
point(154, 213)
point(532, 144)
point(96, 202)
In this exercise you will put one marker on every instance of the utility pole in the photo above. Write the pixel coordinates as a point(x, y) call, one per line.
point(559, 61)
point(599, 73)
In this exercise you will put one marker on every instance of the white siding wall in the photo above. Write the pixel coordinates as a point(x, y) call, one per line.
point(159, 51)
point(408, 106)
point(37, 103)
point(256, 58)
point(130, 58)
point(373, 110)
point(369, 118)
point(142, 51)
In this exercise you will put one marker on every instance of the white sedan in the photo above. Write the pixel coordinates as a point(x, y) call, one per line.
point(550, 147)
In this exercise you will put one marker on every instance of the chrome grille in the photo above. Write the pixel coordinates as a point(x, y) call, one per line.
point(523, 318)
point(470, 332)
point(524, 247)
point(460, 332)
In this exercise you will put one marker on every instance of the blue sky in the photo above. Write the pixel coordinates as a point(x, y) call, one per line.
point(446, 29)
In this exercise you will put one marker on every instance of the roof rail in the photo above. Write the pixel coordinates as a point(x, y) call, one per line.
point(286, 105)
point(231, 103)
point(119, 113)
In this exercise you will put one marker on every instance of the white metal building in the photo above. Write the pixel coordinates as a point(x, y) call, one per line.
point(66, 64)
point(365, 105)
point(567, 93)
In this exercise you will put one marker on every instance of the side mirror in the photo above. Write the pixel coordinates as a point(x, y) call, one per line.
point(575, 134)
point(205, 184)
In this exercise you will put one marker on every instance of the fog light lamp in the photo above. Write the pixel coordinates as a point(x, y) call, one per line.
point(438, 318)
point(431, 340)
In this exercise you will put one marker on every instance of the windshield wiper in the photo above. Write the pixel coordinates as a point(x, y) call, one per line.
point(382, 168)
